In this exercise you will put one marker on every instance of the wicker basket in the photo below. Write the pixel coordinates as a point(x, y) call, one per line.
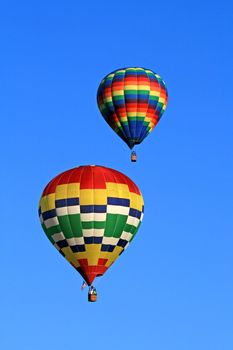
point(92, 297)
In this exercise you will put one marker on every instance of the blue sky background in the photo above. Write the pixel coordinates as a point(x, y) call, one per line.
point(172, 289)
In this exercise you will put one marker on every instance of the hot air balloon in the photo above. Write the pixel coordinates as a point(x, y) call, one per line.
point(132, 101)
point(91, 214)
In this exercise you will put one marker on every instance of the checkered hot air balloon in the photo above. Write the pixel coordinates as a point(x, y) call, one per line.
point(132, 101)
point(91, 214)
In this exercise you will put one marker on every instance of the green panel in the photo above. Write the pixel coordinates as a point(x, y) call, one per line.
point(76, 225)
point(110, 224)
point(137, 90)
point(93, 224)
point(118, 97)
point(141, 119)
point(70, 225)
point(115, 224)
point(154, 98)
point(120, 225)
point(130, 228)
point(51, 230)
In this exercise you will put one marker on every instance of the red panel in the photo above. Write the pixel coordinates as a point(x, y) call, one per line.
point(89, 273)
point(130, 81)
point(91, 177)
point(102, 262)
point(118, 85)
point(144, 80)
point(98, 176)
point(83, 262)
point(86, 180)
point(109, 175)
point(121, 111)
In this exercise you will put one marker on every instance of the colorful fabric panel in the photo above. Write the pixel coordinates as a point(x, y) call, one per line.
point(91, 214)
point(132, 101)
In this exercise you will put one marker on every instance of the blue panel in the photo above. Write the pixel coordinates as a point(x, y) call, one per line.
point(93, 240)
point(135, 213)
point(49, 214)
point(118, 201)
point(107, 248)
point(78, 248)
point(93, 209)
point(122, 242)
point(62, 244)
point(66, 202)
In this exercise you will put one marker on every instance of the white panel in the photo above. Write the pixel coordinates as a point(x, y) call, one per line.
point(110, 240)
point(74, 209)
point(117, 209)
point(93, 217)
point(58, 237)
point(61, 211)
point(93, 232)
point(126, 235)
point(132, 221)
point(75, 241)
point(51, 222)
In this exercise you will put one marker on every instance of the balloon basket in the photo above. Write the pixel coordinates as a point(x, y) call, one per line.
point(133, 157)
point(92, 297)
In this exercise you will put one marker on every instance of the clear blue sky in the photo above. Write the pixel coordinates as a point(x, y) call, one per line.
point(173, 287)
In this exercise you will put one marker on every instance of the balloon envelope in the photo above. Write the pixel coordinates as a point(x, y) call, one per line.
point(91, 214)
point(132, 101)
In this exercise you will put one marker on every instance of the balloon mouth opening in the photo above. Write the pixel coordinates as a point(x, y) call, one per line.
point(90, 276)
point(131, 144)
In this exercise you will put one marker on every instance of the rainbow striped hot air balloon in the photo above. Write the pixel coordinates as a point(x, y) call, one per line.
point(132, 101)
point(91, 214)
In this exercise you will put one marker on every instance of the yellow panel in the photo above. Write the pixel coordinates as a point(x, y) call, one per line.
point(108, 99)
point(93, 258)
point(141, 114)
point(130, 87)
point(92, 248)
point(155, 93)
point(136, 201)
point(117, 92)
point(161, 99)
point(70, 256)
point(86, 197)
point(97, 197)
point(131, 114)
point(63, 190)
point(47, 202)
point(92, 254)
point(117, 190)
point(73, 190)
point(144, 87)
point(81, 255)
